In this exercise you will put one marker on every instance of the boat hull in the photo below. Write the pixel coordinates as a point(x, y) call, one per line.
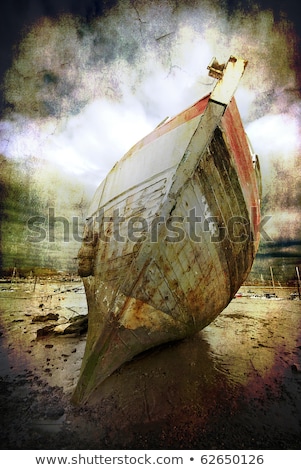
point(171, 236)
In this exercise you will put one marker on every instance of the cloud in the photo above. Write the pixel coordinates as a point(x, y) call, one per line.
point(82, 93)
point(91, 142)
point(275, 136)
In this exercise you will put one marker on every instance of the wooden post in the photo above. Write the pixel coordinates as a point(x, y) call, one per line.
point(272, 276)
point(14, 274)
point(298, 281)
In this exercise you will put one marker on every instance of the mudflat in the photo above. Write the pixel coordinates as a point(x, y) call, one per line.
point(234, 385)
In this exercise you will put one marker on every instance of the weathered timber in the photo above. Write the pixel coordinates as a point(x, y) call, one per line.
point(171, 234)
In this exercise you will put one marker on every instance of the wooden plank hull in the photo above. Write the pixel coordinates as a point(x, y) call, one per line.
point(171, 236)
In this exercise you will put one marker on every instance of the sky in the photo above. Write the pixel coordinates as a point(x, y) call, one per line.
point(82, 81)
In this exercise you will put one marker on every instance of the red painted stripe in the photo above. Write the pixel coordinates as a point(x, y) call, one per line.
point(237, 141)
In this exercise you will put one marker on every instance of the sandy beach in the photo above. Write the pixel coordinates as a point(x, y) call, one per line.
point(235, 385)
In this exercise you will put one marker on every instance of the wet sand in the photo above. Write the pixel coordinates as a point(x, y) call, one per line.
point(235, 385)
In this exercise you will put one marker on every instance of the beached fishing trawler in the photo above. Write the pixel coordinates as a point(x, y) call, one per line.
point(171, 234)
